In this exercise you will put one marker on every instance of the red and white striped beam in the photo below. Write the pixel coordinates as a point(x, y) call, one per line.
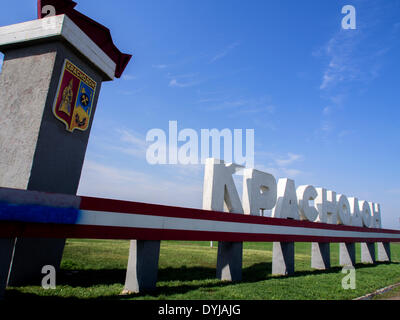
point(35, 214)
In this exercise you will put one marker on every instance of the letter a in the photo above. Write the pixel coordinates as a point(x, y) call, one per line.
point(349, 281)
point(349, 21)
point(49, 280)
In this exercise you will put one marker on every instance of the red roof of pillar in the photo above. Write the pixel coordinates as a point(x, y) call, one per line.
point(95, 31)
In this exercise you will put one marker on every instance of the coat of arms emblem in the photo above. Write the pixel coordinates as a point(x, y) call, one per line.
point(74, 98)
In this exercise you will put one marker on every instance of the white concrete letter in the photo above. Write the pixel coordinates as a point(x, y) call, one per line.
point(286, 204)
point(343, 206)
point(365, 213)
point(356, 219)
point(304, 194)
point(327, 208)
point(259, 191)
point(219, 187)
point(375, 215)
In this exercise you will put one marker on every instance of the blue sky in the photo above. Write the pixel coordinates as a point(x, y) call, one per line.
point(323, 101)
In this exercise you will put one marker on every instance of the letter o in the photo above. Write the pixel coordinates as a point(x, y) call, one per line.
point(365, 213)
point(343, 205)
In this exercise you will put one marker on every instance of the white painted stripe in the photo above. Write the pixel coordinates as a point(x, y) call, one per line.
point(114, 219)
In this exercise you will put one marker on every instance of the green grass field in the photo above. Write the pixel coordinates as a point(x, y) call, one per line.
point(95, 269)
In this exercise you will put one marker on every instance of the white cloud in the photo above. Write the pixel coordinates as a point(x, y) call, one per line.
point(344, 133)
point(128, 77)
point(242, 106)
point(279, 172)
point(326, 127)
point(174, 83)
point(291, 157)
point(224, 52)
point(132, 137)
point(278, 165)
point(358, 55)
point(344, 59)
point(183, 80)
point(160, 66)
point(292, 172)
point(106, 181)
point(130, 92)
point(132, 143)
point(327, 110)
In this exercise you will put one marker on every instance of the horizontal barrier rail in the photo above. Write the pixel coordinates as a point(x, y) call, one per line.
point(36, 214)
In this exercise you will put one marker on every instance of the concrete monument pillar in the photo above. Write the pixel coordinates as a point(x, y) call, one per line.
point(283, 258)
point(320, 255)
point(229, 261)
point(141, 274)
point(220, 194)
point(368, 252)
point(384, 251)
point(49, 86)
point(347, 254)
point(6, 248)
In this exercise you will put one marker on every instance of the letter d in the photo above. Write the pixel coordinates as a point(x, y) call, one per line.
point(204, 309)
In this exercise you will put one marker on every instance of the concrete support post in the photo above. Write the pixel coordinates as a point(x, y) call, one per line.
point(283, 258)
point(6, 250)
point(141, 274)
point(30, 256)
point(229, 261)
point(347, 254)
point(368, 252)
point(320, 255)
point(37, 152)
point(384, 254)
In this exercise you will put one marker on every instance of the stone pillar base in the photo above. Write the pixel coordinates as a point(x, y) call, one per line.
point(141, 274)
point(31, 255)
point(368, 252)
point(229, 261)
point(283, 258)
point(384, 254)
point(347, 254)
point(320, 255)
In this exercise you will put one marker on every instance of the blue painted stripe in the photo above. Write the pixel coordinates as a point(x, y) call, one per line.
point(38, 214)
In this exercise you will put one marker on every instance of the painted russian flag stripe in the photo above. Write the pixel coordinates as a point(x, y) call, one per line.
point(177, 225)
point(35, 214)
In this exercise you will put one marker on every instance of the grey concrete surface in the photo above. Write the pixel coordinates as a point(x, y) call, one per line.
point(37, 152)
point(6, 249)
point(283, 258)
point(141, 274)
point(30, 255)
point(368, 252)
point(347, 254)
point(320, 255)
point(229, 261)
point(384, 254)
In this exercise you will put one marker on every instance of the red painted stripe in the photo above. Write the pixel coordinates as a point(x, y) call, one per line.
point(32, 230)
point(110, 205)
